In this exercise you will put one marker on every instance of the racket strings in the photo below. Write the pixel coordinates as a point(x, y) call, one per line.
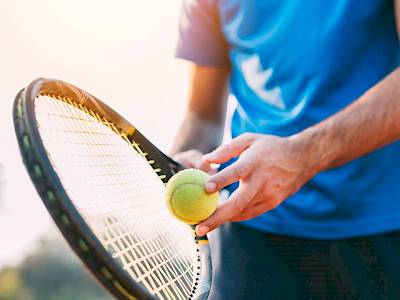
point(119, 195)
point(151, 263)
point(149, 273)
point(154, 268)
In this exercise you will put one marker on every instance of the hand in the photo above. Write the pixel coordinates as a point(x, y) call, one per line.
point(269, 169)
point(194, 159)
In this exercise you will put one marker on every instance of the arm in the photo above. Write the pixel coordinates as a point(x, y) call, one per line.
point(366, 125)
point(272, 168)
point(202, 127)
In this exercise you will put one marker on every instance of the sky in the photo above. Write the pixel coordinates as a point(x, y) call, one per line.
point(120, 51)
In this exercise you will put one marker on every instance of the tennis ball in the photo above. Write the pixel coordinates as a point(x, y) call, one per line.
point(186, 198)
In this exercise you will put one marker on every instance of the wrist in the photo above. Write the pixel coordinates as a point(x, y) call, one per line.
point(197, 133)
point(316, 148)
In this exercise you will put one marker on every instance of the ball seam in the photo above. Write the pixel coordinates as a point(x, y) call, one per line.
point(172, 197)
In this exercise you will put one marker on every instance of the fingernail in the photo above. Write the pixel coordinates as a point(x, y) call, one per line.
point(202, 230)
point(210, 186)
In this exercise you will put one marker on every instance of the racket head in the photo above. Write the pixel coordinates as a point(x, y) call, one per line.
point(106, 264)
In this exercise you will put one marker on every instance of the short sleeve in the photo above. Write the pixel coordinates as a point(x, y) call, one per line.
point(200, 37)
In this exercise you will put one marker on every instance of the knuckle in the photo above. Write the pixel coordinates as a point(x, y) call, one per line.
point(220, 180)
point(223, 149)
point(242, 170)
point(248, 136)
point(238, 172)
point(238, 204)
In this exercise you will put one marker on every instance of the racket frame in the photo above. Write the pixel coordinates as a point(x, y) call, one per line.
point(67, 218)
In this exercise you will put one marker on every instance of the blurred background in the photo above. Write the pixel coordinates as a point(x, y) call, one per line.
point(120, 51)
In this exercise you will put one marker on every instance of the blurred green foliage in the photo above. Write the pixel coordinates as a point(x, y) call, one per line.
point(51, 272)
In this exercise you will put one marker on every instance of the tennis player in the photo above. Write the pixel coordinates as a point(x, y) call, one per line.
point(313, 166)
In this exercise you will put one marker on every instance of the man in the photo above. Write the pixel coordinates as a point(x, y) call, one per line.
point(313, 167)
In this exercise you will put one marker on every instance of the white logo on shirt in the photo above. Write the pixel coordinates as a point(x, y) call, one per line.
point(257, 78)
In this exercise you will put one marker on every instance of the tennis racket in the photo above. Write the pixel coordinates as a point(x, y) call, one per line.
point(103, 182)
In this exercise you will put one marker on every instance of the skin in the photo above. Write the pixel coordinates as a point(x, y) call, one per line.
point(272, 168)
point(201, 130)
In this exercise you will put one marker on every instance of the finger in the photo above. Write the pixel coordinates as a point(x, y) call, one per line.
point(226, 211)
point(250, 212)
point(261, 203)
point(225, 152)
point(229, 175)
point(185, 159)
point(193, 159)
point(203, 165)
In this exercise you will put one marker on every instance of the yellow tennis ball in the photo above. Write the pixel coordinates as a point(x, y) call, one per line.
point(186, 198)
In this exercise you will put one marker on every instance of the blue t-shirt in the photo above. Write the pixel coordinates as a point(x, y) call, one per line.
point(295, 63)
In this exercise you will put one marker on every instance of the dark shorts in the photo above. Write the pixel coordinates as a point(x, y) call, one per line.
point(251, 264)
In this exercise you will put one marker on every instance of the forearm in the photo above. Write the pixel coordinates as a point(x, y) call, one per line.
point(197, 133)
point(367, 124)
point(203, 124)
